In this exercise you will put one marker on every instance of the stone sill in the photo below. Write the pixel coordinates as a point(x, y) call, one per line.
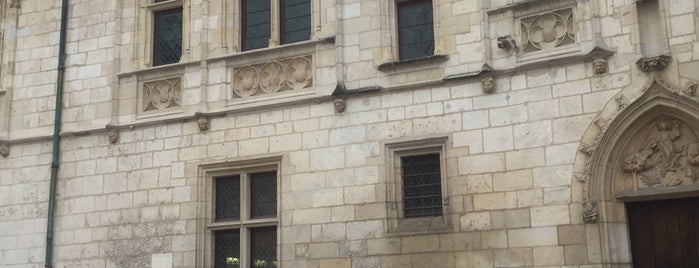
point(393, 65)
point(164, 5)
point(161, 68)
point(275, 52)
point(418, 226)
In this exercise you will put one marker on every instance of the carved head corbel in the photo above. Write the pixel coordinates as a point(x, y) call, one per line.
point(599, 66)
point(113, 135)
point(203, 123)
point(340, 105)
point(4, 149)
point(488, 84)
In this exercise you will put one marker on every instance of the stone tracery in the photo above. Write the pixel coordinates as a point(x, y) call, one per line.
point(548, 30)
point(162, 94)
point(273, 77)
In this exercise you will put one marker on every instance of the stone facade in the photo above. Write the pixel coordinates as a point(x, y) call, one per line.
point(524, 160)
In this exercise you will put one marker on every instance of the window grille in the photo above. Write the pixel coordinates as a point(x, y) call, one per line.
point(422, 185)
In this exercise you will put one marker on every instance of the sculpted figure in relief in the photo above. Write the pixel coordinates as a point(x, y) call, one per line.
point(4, 150)
point(669, 158)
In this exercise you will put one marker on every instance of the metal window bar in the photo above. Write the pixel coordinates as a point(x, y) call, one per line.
point(422, 185)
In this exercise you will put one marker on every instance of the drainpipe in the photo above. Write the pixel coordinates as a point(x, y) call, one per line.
point(48, 262)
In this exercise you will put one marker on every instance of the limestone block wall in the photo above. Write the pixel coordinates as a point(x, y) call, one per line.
point(511, 156)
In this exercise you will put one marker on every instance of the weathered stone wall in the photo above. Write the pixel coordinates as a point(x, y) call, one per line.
point(511, 156)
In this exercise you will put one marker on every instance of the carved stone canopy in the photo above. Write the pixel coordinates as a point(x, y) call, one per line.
point(650, 149)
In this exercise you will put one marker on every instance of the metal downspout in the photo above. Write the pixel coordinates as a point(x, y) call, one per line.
point(48, 262)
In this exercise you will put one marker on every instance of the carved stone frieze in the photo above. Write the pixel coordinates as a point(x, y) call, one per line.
point(668, 156)
point(272, 77)
point(162, 94)
point(653, 64)
point(548, 30)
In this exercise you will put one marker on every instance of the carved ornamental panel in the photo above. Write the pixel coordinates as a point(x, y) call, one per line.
point(548, 30)
point(162, 94)
point(292, 74)
point(665, 154)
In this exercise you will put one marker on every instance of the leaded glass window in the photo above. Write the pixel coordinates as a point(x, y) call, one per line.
point(228, 198)
point(227, 249)
point(245, 219)
point(295, 20)
point(167, 36)
point(422, 185)
point(256, 24)
point(415, 29)
point(263, 247)
point(263, 195)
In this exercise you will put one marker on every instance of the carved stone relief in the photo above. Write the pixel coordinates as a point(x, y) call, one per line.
point(162, 94)
point(668, 156)
point(273, 77)
point(548, 30)
point(4, 149)
point(653, 64)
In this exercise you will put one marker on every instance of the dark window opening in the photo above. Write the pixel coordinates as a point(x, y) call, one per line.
point(227, 249)
point(167, 36)
point(227, 198)
point(422, 185)
point(295, 20)
point(256, 24)
point(263, 195)
point(263, 247)
point(415, 29)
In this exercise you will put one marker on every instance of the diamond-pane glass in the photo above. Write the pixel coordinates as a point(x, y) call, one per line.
point(263, 247)
point(422, 185)
point(228, 198)
point(227, 249)
point(256, 24)
point(167, 36)
point(415, 29)
point(295, 20)
point(263, 195)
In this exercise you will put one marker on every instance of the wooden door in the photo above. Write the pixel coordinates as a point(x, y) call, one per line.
point(664, 233)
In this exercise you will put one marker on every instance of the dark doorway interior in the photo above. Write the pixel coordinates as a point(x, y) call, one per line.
point(664, 233)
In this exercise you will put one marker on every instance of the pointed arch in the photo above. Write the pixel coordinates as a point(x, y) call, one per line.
point(641, 152)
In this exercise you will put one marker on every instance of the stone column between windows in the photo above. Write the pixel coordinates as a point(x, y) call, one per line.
point(275, 22)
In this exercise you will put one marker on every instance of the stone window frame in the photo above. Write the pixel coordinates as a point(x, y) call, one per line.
point(397, 223)
point(146, 24)
point(208, 224)
point(232, 20)
point(390, 55)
